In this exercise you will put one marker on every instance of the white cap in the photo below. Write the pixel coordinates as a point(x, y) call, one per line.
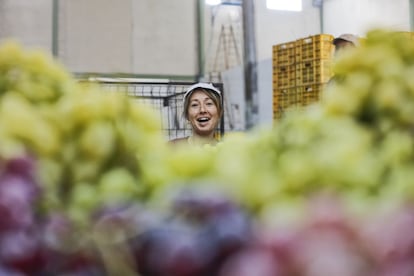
point(203, 85)
point(347, 37)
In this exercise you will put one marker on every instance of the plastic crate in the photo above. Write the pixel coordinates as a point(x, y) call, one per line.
point(308, 94)
point(314, 47)
point(285, 97)
point(284, 54)
point(278, 112)
point(313, 71)
point(284, 76)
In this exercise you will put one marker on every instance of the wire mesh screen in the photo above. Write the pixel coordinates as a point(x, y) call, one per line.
point(165, 98)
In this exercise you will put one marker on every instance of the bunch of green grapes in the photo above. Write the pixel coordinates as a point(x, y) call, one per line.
point(357, 142)
point(176, 167)
point(374, 87)
point(31, 82)
point(107, 139)
point(32, 74)
point(374, 83)
point(90, 145)
point(99, 156)
point(302, 155)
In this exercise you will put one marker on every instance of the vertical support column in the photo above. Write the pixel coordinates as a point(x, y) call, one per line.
point(250, 65)
point(319, 4)
point(321, 21)
point(200, 39)
point(411, 7)
point(55, 28)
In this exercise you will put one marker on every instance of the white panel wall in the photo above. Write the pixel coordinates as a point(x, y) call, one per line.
point(359, 16)
point(29, 22)
point(159, 37)
point(274, 27)
point(164, 37)
point(234, 92)
point(95, 35)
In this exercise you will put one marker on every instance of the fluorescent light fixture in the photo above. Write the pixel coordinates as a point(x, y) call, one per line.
point(213, 2)
point(284, 5)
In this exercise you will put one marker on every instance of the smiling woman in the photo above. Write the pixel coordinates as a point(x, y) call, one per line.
point(203, 110)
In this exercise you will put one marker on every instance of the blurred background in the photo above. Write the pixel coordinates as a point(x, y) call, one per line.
point(88, 185)
point(187, 40)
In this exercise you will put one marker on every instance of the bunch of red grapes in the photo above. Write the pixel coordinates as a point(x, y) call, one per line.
point(210, 235)
point(32, 243)
point(203, 234)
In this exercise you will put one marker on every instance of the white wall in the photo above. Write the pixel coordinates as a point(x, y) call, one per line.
point(359, 16)
point(164, 37)
point(234, 94)
point(129, 36)
point(29, 22)
point(274, 27)
point(95, 35)
point(159, 37)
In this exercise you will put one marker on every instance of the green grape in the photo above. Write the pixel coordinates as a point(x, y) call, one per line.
point(191, 161)
point(398, 185)
point(389, 94)
point(83, 107)
point(144, 117)
point(83, 196)
point(9, 147)
point(118, 185)
point(22, 121)
point(97, 141)
point(397, 148)
point(33, 74)
point(83, 170)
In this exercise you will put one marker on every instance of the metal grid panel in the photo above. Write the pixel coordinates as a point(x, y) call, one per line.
point(165, 98)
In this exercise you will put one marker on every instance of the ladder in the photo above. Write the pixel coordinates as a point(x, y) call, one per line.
point(226, 55)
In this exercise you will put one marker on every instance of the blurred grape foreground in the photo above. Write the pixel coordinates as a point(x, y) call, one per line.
point(88, 185)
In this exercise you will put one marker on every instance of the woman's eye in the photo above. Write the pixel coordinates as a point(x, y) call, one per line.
point(194, 105)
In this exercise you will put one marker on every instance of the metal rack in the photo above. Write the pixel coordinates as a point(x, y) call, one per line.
point(165, 97)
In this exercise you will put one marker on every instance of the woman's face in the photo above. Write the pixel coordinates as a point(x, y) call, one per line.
point(202, 113)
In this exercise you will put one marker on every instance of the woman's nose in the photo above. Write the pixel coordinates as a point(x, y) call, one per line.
point(202, 108)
